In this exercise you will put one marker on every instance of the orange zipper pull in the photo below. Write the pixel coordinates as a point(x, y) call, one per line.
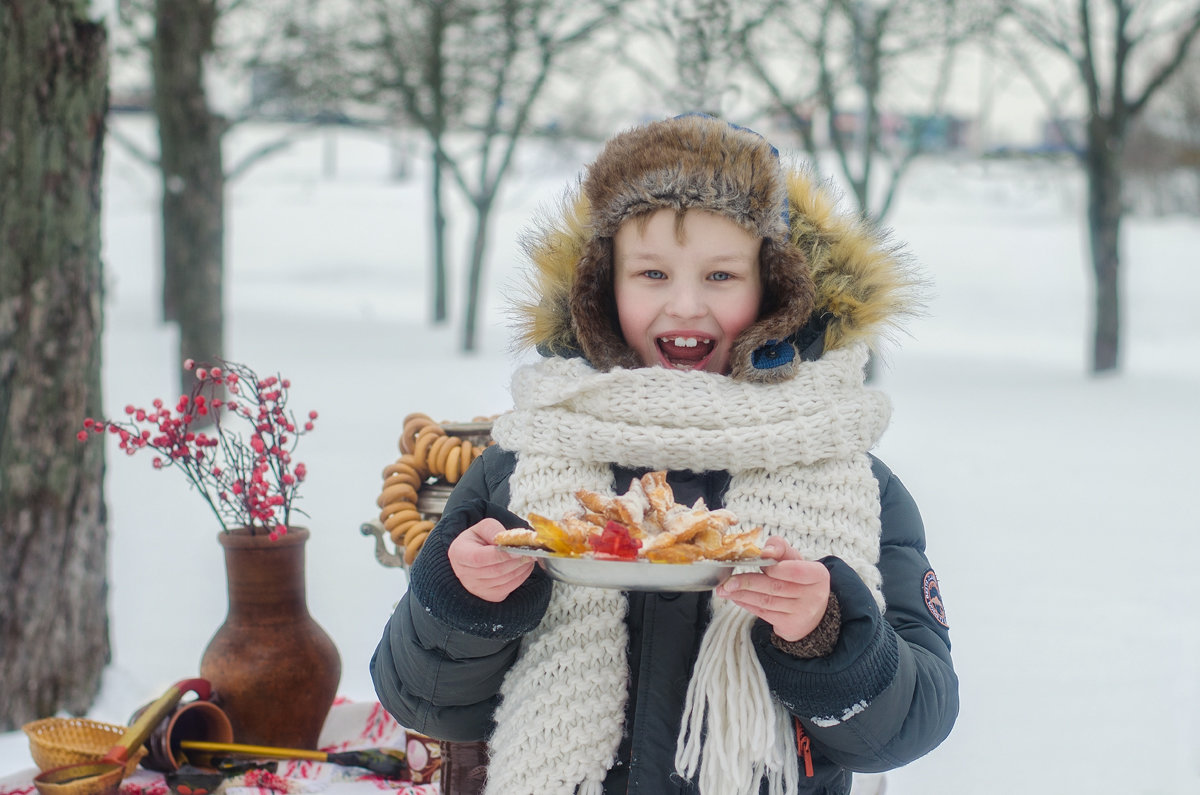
point(804, 747)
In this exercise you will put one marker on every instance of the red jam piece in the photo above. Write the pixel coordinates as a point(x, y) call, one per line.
point(615, 542)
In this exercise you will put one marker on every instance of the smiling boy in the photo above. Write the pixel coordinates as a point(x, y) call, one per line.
point(704, 310)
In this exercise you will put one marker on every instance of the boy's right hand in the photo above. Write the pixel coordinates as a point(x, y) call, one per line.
point(486, 570)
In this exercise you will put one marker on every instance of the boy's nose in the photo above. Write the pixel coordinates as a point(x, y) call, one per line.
point(685, 302)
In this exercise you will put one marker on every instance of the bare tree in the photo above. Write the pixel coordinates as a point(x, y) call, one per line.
point(193, 179)
point(1122, 52)
point(843, 60)
point(1162, 154)
point(54, 639)
point(1162, 165)
point(181, 38)
point(1180, 122)
point(472, 88)
point(698, 38)
point(426, 68)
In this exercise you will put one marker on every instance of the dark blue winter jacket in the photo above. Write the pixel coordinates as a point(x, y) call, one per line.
point(890, 679)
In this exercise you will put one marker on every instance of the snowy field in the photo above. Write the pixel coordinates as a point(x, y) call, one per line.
point(1059, 507)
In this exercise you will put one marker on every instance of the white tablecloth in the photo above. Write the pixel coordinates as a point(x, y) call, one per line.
point(350, 726)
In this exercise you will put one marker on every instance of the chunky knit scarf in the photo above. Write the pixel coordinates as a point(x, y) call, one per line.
point(796, 453)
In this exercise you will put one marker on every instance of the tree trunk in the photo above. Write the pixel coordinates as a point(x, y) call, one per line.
point(53, 587)
point(439, 235)
point(1104, 235)
point(438, 23)
point(193, 181)
point(483, 215)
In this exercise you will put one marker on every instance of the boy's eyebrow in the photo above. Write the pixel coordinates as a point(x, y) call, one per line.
point(714, 259)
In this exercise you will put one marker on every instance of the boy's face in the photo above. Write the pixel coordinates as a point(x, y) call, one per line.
point(683, 298)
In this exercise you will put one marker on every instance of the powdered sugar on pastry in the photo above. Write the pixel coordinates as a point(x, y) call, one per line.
point(518, 537)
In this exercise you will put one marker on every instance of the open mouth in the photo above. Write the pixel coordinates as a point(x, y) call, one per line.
point(685, 353)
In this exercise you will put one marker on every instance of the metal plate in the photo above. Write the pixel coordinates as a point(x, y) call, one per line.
point(638, 575)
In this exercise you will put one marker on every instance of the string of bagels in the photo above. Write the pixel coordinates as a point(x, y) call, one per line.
point(428, 454)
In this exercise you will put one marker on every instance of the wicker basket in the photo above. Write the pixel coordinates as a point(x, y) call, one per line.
point(54, 742)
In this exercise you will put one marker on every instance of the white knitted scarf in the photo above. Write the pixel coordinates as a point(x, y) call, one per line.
point(796, 453)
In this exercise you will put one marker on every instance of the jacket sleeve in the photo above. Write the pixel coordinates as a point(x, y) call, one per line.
point(444, 652)
point(888, 693)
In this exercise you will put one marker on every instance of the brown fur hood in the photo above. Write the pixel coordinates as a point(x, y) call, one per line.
point(830, 281)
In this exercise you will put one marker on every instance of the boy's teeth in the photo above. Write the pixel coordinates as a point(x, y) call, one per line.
point(685, 353)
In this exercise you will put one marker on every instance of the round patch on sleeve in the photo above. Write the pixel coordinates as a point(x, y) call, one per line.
point(933, 598)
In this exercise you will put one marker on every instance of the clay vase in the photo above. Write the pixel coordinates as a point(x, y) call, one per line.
point(274, 670)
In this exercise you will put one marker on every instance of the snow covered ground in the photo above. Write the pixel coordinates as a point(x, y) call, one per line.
point(1058, 506)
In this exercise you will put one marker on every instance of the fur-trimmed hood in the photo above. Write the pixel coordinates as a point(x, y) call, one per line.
point(830, 280)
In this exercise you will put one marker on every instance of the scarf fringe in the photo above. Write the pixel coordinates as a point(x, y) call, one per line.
point(724, 711)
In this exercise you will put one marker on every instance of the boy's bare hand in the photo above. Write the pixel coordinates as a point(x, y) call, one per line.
point(791, 596)
point(484, 569)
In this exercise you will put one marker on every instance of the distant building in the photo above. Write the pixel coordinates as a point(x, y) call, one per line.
point(937, 134)
point(941, 133)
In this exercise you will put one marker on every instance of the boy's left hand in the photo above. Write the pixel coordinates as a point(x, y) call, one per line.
point(791, 596)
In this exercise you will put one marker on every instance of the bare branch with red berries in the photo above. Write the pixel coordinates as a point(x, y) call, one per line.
point(244, 468)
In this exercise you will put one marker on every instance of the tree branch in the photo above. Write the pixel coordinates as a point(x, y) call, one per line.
point(136, 150)
point(265, 150)
point(1169, 67)
point(1052, 102)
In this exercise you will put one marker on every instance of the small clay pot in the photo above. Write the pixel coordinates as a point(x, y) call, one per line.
point(195, 720)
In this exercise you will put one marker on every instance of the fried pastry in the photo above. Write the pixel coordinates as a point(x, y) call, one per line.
point(645, 522)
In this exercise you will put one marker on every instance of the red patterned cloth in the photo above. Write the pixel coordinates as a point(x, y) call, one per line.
point(350, 726)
